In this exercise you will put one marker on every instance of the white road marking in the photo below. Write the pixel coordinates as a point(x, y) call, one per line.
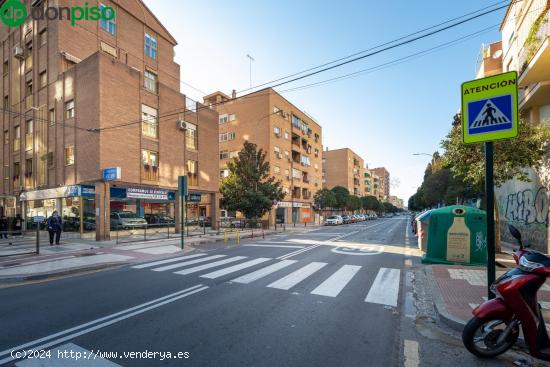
point(334, 284)
point(296, 277)
point(112, 319)
point(255, 275)
point(234, 268)
point(160, 250)
point(185, 263)
point(282, 246)
point(57, 358)
point(211, 265)
point(160, 262)
point(410, 349)
point(385, 288)
point(298, 252)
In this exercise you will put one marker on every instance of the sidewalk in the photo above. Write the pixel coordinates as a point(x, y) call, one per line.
point(82, 255)
point(457, 290)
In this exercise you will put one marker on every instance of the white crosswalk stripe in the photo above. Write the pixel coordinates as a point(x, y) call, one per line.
point(258, 274)
point(185, 263)
point(334, 284)
point(296, 277)
point(385, 289)
point(234, 268)
point(160, 262)
point(208, 266)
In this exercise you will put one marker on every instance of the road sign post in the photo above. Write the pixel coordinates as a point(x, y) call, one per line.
point(182, 190)
point(489, 113)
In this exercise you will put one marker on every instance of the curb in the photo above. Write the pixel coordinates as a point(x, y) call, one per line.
point(448, 319)
point(43, 276)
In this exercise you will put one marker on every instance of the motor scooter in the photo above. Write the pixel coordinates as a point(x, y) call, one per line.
point(496, 324)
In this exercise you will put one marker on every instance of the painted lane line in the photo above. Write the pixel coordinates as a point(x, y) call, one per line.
point(385, 288)
point(282, 246)
point(298, 252)
point(160, 262)
point(296, 277)
point(258, 274)
point(116, 316)
point(185, 263)
point(211, 265)
point(410, 349)
point(235, 268)
point(334, 284)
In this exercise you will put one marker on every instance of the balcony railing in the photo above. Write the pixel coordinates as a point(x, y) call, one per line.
point(28, 142)
point(539, 32)
point(150, 173)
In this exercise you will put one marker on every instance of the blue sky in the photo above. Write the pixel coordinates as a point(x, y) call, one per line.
point(384, 116)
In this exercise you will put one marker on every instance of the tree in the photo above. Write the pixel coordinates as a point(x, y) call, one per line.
point(341, 194)
point(389, 207)
point(353, 203)
point(370, 202)
point(249, 188)
point(324, 199)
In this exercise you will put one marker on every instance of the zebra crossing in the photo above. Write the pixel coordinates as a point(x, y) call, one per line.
point(384, 290)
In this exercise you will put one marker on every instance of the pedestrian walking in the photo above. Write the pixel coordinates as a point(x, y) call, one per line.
point(54, 227)
point(17, 225)
point(3, 227)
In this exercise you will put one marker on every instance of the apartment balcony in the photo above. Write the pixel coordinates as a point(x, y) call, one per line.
point(535, 95)
point(150, 173)
point(534, 57)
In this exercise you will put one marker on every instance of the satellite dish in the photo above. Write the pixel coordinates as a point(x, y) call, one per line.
point(497, 54)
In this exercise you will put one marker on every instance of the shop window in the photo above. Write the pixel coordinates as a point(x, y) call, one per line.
point(70, 214)
point(69, 155)
point(193, 173)
point(150, 81)
point(149, 122)
point(191, 136)
point(69, 109)
point(150, 161)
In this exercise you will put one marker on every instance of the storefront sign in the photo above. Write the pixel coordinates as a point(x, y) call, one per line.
point(38, 219)
point(142, 193)
point(112, 173)
point(195, 198)
point(88, 191)
point(287, 204)
point(58, 192)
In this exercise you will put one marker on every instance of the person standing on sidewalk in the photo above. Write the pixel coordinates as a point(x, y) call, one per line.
point(17, 225)
point(3, 227)
point(54, 227)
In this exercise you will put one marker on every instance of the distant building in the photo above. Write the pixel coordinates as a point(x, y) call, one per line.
point(395, 201)
point(343, 167)
point(383, 183)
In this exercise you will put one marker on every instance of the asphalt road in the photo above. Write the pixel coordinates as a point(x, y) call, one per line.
point(333, 296)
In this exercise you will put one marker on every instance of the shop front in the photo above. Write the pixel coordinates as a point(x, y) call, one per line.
point(293, 212)
point(156, 206)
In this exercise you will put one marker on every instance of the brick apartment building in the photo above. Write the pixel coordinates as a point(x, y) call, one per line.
point(383, 182)
point(292, 139)
point(343, 167)
point(78, 99)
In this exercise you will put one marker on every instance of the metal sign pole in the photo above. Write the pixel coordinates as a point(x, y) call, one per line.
point(182, 189)
point(490, 209)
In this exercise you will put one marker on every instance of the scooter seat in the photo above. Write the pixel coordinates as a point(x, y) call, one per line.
point(538, 257)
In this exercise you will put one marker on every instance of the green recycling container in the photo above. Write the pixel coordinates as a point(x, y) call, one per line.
point(455, 235)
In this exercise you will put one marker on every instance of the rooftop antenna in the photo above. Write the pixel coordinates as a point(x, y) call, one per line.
point(250, 59)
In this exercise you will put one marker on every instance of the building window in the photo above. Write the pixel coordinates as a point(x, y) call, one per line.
point(69, 155)
point(191, 136)
point(50, 160)
point(43, 79)
point(69, 109)
point(150, 161)
point(108, 25)
point(224, 154)
point(150, 46)
point(28, 135)
point(276, 170)
point(5, 68)
point(43, 37)
point(286, 135)
point(232, 117)
point(16, 138)
point(277, 152)
point(224, 173)
point(28, 57)
point(193, 173)
point(28, 94)
point(6, 137)
point(223, 119)
point(149, 122)
point(277, 131)
point(150, 81)
point(52, 117)
point(16, 174)
point(227, 136)
point(6, 104)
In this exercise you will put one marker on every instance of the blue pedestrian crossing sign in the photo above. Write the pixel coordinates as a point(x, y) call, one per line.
point(490, 108)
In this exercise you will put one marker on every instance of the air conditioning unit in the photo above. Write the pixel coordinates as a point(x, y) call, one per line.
point(180, 124)
point(18, 52)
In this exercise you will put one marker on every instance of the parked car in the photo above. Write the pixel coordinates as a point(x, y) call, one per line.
point(159, 219)
point(126, 220)
point(334, 220)
point(346, 219)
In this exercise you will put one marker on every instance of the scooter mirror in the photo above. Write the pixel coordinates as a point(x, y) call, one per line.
point(514, 232)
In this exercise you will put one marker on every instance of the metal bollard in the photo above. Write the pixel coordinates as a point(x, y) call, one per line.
point(238, 236)
point(225, 235)
point(263, 234)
